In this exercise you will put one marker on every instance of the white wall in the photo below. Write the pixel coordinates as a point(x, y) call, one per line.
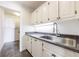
point(1, 27)
point(24, 17)
point(23, 24)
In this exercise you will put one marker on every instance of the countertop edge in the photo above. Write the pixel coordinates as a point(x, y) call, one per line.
point(74, 50)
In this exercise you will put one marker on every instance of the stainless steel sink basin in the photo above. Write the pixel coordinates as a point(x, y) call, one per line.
point(46, 37)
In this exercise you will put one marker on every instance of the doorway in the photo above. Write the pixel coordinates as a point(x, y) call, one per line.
point(11, 27)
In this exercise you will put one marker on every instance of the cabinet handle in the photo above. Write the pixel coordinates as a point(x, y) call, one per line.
point(75, 11)
point(53, 55)
point(48, 3)
point(42, 44)
point(35, 40)
point(58, 18)
point(48, 19)
point(41, 22)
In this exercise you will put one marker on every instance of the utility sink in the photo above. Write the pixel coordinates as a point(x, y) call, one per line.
point(46, 37)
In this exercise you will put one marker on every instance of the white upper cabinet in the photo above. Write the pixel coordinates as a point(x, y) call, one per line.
point(44, 12)
point(32, 18)
point(53, 10)
point(66, 9)
point(39, 15)
point(34, 21)
point(36, 16)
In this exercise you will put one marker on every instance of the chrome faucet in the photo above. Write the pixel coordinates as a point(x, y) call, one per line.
point(55, 28)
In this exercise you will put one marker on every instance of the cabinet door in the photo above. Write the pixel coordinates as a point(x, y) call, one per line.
point(34, 17)
point(56, 50)
point(66, 9)
point(47, 53)
point(50, 52)
point(45, 12)
point(36, 48)
point(53, 10)
point(28, 43)
point(39, 15)
point(77, 7)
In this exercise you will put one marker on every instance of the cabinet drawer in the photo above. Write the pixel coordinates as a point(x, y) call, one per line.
point(47, 46)
point(64, 52)
point(48, 53)
point(53, 48)
point(59, 50)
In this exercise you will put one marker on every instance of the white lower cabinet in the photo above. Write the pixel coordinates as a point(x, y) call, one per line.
point(39, 48)
point(47, 53)
point(28, 43)
point(59, 51)
point(36, 48)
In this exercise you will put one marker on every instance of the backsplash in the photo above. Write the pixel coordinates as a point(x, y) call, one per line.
point(47, 28)
point(70, 26)
point(29, 29)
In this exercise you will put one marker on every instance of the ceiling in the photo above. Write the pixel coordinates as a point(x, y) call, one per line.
point(30, 4)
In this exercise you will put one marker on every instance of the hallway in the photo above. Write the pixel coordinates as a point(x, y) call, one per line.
point(12, 50)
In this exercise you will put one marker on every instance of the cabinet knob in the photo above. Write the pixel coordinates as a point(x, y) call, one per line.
point(75, 11)
point(48, 19)
point(53, 55)
point(58, 18)
point(48, 3)
point(42, 44)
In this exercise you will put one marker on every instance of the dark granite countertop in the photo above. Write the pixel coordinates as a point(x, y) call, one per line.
point(60, 36)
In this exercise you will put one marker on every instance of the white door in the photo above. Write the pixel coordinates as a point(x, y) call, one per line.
point(53, 10)
point(66, 9)
point(36, 48)
point(9, 29)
